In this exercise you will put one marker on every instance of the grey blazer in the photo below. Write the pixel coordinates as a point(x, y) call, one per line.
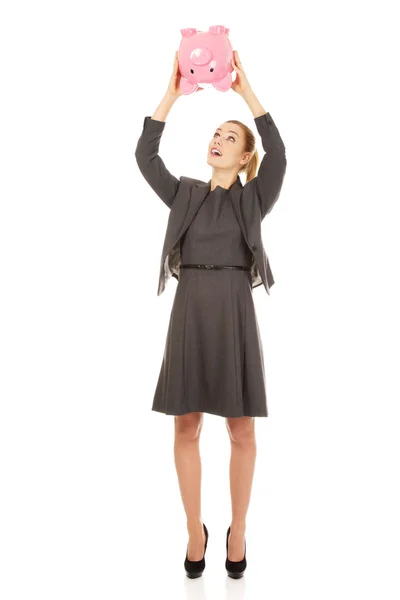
point(184, 196)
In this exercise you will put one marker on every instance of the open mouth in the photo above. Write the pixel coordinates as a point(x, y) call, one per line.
point(215, 152)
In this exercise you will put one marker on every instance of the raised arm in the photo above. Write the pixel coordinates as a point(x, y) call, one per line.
point(271, 172)
point(149, 162)
point(266, 186)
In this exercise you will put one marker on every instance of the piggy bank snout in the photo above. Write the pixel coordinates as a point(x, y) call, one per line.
point(201, 56)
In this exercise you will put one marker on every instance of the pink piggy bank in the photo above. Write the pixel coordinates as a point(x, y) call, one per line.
point(205, 57)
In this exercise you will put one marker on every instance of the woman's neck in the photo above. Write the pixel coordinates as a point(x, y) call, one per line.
point(224, 181)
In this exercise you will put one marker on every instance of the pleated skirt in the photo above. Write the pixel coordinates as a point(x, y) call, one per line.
point(213, 359)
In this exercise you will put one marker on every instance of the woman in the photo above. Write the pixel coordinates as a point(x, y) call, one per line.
point(213, 359)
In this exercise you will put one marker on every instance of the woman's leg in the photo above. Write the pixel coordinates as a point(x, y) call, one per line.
point(243, 456)
point(188, 468)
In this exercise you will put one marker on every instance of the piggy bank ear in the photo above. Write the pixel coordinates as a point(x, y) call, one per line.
point(188, 32)
point(218, 29)
point(224, 85)
point(186, 87)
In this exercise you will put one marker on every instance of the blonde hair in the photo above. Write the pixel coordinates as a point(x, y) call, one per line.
point(250, 168)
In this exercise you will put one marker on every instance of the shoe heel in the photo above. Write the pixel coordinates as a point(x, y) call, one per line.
point(195, 568)
point(235, 569)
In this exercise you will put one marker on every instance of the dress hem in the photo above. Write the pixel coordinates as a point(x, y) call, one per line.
point(209, 412)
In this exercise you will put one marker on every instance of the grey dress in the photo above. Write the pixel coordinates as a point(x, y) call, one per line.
point(213, 360)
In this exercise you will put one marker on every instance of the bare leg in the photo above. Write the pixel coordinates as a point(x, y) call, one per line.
point(243, 456)
point(188, 468)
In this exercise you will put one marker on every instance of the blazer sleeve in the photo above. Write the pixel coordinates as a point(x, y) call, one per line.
point(151, 164)
point(271, 172)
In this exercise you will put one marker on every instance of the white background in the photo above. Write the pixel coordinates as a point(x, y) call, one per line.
point(90, 504)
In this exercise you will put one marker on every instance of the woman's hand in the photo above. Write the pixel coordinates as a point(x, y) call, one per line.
point(241, 84)
point(174, 89)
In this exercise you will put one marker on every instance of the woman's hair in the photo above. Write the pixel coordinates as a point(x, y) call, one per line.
point(250, 168)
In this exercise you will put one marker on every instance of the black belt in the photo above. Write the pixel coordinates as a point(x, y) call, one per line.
point(192, 266)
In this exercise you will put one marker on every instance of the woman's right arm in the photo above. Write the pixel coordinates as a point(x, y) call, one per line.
point(149, 162)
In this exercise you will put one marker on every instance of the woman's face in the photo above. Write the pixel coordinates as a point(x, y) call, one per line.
point(228, 139)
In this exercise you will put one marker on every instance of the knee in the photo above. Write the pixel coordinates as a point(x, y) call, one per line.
point(188, 426)
point(241, 430)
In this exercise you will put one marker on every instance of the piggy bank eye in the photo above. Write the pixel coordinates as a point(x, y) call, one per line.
point(212, 69)
point(191, 70)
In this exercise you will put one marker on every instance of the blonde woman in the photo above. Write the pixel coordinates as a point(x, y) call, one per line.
point(213, 360)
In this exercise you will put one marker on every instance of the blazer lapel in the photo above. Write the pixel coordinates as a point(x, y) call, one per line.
point(198, 195)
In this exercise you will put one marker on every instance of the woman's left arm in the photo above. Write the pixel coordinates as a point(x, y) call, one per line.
point(268, 181)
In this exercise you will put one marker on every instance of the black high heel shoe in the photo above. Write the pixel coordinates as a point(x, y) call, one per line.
point(235, 568)
point(195, 568)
